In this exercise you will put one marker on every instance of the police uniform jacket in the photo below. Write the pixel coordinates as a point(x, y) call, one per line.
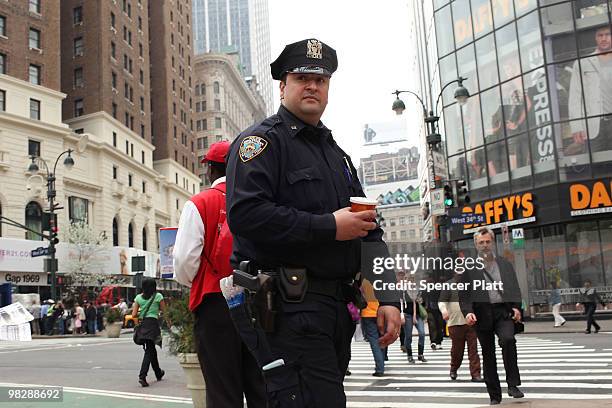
point(285, 178)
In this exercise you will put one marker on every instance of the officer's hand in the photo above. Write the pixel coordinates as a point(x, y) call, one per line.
point(445, 315)
point(351, 225)
point(389, 321)
point(471, 319)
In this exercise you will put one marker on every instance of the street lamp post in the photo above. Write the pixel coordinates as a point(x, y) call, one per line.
point(51, 193)
point(433, 137)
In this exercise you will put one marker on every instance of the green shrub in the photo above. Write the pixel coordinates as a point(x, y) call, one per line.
point(113, 315)
point(180, 335)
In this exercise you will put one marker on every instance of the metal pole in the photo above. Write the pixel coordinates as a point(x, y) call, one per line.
point(52, 226)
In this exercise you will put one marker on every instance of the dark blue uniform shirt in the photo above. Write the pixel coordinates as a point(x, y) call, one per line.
point(280, 202)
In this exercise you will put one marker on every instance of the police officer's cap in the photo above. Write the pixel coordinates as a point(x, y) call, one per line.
point(307, 57)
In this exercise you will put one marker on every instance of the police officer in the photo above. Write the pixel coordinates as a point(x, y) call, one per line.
point(289, 185)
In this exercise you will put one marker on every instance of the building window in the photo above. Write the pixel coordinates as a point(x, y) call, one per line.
point(115, 232)
point(113, 20)
point(204, 124)
point(2, 100)
point(35, 6)
point(217, 123)
point(113, 50)
point(33, 220)
point(114, 112)
point(34, 39)
point(78, 108)
point(139, 23)
point(130, 179)
point(125, 62)
point(217, 104)
point(34, 74)
point(3, 26)
point(132, 149)
point(141, 77)
point(78, 46)
point(114, 139)
point(142, 105)
point(115, 172)
point(127, 122)
point(144, 239)
point(33, 148)
point(127, 147)
point(142, 132)
point(216, 87)
point(78, 77)
point(2, 63)
point(78, 209)
point(77, 15)
point(126, 90)
point(140, 50)
point(34, 109)
point(142, 159)
point(114, 80)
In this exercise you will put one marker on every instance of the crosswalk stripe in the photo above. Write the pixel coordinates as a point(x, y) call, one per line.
point(549, 369)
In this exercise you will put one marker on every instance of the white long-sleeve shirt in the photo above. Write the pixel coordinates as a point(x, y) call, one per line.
point(189, 242)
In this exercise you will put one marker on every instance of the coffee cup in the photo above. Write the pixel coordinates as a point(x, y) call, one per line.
point(362, 204)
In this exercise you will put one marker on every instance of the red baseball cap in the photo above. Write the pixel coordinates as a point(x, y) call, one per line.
point(217, 152)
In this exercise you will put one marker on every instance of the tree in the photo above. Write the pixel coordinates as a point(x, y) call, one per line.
point(85, 261)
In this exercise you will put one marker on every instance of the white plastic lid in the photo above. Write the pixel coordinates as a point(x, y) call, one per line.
point(363, 200)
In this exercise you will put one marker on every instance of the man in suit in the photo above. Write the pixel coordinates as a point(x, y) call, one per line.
point(494, 312)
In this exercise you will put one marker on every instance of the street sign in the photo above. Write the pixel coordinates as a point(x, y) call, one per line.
point(518, 238)
point(468, 218)
point(437, 202)
point(40, 251)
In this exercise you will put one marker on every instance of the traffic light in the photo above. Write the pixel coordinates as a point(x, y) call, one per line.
point(449, 199)
point(53, 239)
point(462, 193)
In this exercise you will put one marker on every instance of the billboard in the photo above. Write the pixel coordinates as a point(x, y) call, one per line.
point(167, 237)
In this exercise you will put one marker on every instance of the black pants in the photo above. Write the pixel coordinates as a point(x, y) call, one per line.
point(492, 320)
point(228, 367)
point(314, 339)
point(436, 326)
point(149, 359)
point(589, 309)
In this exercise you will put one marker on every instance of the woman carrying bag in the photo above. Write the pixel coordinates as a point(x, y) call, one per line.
point(147, 306)
point(414, 314)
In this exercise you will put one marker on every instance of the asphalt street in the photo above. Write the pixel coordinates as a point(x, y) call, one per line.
point(102, 372)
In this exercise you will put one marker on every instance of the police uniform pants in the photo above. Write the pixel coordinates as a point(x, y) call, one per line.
point(228, 367)
point(491, 321)
point(314, 339)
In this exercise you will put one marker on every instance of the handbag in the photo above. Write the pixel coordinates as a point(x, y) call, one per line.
point(422, 311)
point(137, 336)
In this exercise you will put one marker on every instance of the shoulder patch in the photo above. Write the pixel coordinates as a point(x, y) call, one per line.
point(251, 147)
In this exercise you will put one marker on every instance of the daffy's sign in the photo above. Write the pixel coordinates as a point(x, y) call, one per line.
point(510, 210)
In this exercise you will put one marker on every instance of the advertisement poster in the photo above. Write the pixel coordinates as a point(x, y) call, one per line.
point(167, 237)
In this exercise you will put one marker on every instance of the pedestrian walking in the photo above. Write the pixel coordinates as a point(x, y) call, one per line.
point(35, 312)
point(43, 316)
point(460, 332)
point(288, 201)
point(590, 299)
point(415, 315)
point(370, 328)
point(78, 320)
point(494, 312)
point(555, 301)
point(201, 259)
point(147, 306)
point(91, 315)
point(435, 322)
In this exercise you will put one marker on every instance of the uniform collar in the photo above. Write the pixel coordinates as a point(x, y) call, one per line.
point(295, 125)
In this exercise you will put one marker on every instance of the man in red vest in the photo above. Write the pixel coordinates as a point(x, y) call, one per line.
point(228, 367)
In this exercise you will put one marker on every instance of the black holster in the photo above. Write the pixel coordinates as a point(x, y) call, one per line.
point(292, 284)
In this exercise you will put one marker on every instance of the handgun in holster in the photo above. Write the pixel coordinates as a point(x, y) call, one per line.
point(261, 294)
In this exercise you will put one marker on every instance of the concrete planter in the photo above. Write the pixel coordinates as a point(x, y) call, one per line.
point(195, 379)
point(113, 330)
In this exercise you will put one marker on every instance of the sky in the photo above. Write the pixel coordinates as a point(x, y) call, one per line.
point(371, 39)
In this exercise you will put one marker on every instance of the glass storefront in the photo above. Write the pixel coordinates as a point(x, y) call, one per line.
point(541, 84)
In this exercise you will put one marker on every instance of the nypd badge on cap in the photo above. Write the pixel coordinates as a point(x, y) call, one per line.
point(307, 57)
